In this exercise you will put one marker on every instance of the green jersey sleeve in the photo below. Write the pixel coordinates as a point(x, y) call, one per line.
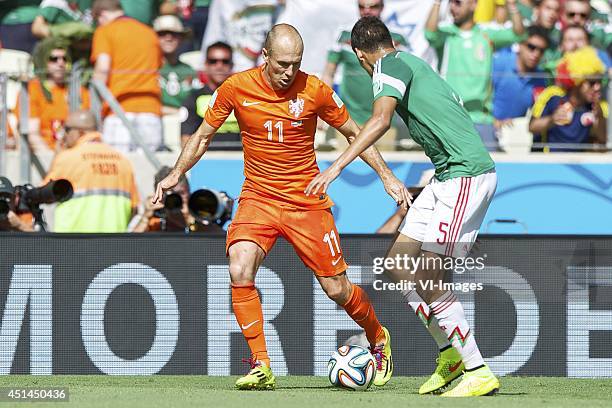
point(501, 37)
point(437, 38)
point(391, 78)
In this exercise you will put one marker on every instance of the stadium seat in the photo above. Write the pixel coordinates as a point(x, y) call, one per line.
point(14, 63)
point(516, 138)
point(193, 59)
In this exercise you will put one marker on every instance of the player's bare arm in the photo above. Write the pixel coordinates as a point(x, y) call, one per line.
point(192, 152)
point(394, 187)
point(372, 130)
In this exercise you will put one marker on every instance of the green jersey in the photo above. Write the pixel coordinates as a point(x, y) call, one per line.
point(176, 83)
point(434, 114)
point(62, 11)
point(13, 12)
point(467, 60)
point(355, 86)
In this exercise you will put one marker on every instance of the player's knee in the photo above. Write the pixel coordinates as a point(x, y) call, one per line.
point(240, 273)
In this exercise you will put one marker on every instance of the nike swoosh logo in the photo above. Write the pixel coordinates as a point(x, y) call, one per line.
point(244, 327)
point(245, 103)
point(334, 262)
point(454, 368)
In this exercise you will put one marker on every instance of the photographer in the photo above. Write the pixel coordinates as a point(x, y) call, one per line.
point(9, 220)
point(173, 213)
point(105, 193)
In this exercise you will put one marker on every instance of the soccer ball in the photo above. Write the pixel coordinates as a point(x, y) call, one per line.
point(351, 367)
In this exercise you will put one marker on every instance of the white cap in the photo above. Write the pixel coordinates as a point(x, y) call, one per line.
point(170, 23)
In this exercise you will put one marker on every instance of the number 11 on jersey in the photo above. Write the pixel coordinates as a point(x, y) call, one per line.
point(279, 126)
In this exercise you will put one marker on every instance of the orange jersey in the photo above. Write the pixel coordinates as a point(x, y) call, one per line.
point(135, 61)
point(278, 129)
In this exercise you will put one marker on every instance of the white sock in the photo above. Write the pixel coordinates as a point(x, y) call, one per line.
point(423, 312)
point(451, 318)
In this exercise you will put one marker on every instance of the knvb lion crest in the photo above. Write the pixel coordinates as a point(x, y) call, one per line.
point(296, 107)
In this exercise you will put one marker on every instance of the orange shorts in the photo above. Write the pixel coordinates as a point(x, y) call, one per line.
point(312, 233)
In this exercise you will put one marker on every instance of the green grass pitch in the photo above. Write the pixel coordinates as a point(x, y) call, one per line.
point(307, 392)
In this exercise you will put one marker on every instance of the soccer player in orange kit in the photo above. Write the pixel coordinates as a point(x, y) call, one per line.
point(277, 107)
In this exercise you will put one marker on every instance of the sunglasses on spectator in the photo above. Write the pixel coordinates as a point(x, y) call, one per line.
point(593, 81)
point(165, 33)
point(375, 6)
point(213, 61)
point(572, 14)
point(55, 58)
point(457, 2)
point(533, 47)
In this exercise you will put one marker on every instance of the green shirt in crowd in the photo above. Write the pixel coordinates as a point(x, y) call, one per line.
point(355, 86)
point(466, 60)
point(176, 83)
point(434, 114)
point(144, 11)
point(59, 12)
point(13, 12)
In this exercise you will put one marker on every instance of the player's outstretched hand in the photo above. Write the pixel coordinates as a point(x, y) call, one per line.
point(322, 181)
point(398, 191)
point(167, 183)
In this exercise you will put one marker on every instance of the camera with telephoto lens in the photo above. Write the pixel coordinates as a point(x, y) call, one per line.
point(7, 195)
point(30, 197)
point(173, 202)
point(27, 198)
point(211, 206)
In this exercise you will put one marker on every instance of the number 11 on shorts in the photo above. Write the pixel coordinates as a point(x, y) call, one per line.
point(328, 240)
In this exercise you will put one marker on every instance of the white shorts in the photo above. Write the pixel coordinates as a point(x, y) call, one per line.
point(148, 126)
point(447, 215)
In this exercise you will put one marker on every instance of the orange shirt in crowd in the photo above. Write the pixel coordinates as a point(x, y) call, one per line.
point(53, 113)
point(135, 61)
point(278, 129)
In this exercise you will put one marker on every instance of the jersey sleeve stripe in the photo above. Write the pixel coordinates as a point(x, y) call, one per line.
point(394, 83)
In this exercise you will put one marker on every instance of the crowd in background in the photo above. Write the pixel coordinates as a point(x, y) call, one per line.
point(505, 58)
point(541, 63)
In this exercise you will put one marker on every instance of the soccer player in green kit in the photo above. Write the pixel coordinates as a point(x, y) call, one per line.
point(443, 221)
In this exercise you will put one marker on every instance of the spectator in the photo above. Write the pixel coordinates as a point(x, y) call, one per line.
point(546, 15)
point(105, 195)
point(490, 10)
point(572, 39)
point(127, 57)
point(218, 66)
point(195, 17)
point(58, 16)
point(577, 13)
point(572, 112)
point(176, 78)
point(16, 18)
point(243, 25)
point(466, 51)
point(356, 86)
point(48, 94)
point(517, 80)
